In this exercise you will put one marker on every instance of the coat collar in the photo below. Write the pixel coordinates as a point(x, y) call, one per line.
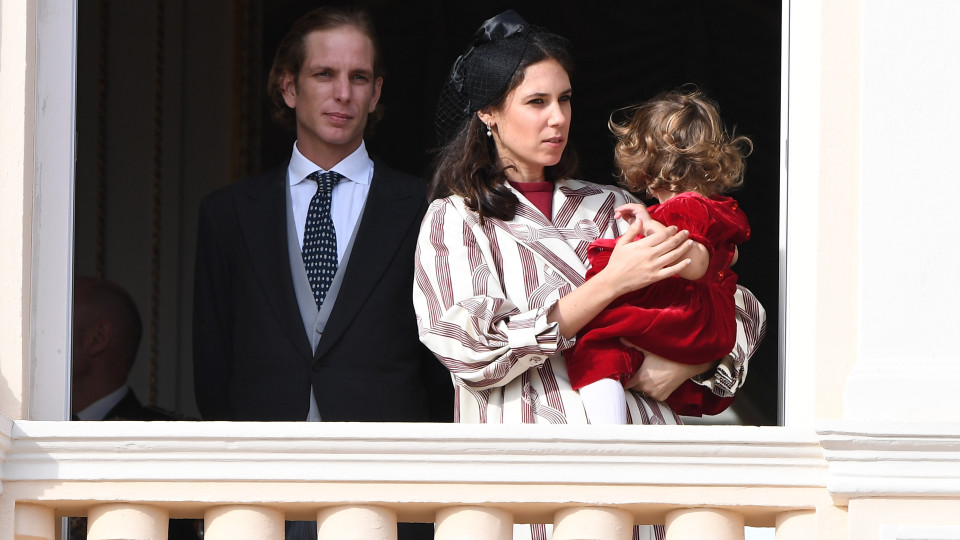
point(562, 243)
point(262, 210)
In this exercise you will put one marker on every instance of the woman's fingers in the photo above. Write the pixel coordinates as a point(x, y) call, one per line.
point(673, 248)
point(634, 264)
point(668, 271)
point(659, 377)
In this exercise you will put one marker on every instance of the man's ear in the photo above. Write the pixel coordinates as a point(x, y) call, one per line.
point(98, 337)
point(288, 87)
point(375, 98)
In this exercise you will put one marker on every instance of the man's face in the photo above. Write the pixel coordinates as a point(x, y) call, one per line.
point(334, 93)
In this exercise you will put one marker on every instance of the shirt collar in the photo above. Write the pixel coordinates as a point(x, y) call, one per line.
point(356, 167)
point(99, 409)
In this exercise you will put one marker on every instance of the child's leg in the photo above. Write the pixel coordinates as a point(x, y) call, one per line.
point(605, 402)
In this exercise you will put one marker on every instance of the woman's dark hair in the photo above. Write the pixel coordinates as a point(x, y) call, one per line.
point(467, 163)
point(291, 53)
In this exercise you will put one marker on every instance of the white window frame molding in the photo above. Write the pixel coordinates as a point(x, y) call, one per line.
point(52, 261)
point(799, 158)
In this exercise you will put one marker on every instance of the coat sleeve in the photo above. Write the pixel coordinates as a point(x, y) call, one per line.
point(731, 373)
point(212, 345)
point(483, 337)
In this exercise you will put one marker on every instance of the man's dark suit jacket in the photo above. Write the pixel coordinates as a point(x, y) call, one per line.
point(252, 359)
point(130, 408)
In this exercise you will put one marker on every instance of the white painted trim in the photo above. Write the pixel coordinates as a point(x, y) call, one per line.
point(891, 459)
point(54, 199)
point(298, 451)
point(782, 226)
point(799, 307)
point(52, 264)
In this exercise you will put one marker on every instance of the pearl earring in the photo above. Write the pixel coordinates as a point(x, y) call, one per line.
point(489, 133)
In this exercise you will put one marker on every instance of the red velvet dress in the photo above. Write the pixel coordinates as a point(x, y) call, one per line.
point(686, 321)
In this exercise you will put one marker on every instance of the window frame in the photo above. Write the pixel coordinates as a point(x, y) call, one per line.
point(53, 209)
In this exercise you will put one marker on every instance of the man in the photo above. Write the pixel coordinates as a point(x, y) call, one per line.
point(106, 335)
point(276, 338)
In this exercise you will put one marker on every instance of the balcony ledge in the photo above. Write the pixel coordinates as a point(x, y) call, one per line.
point(891, 459)
point(416, 468)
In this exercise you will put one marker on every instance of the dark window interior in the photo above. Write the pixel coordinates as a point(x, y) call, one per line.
point(625, 52)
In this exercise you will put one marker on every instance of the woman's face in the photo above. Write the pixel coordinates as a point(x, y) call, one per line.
point(530, 129)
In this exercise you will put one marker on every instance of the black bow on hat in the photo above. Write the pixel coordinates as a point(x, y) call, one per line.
point(480, 75)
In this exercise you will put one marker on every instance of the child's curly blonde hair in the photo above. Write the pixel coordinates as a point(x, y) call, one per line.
point(676, 142)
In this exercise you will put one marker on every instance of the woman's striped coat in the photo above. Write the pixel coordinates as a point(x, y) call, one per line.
point(482, 294)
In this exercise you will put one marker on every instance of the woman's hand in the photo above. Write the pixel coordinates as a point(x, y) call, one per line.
point(636, 264)
point(658, 377)
point(632, 266)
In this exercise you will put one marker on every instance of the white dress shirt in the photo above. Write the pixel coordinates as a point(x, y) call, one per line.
point(347, 201)
point(99, 409)
point(348, 196)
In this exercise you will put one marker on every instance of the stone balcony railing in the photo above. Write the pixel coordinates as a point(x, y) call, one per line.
point(358, 480)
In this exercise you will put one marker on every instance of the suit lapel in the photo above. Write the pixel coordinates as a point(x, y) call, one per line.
point(262, 211)
point(389, 213)
point(128, 408)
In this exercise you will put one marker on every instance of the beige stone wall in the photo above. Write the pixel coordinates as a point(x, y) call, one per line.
point(838, 217)
point(921, 517)
point(17, 52)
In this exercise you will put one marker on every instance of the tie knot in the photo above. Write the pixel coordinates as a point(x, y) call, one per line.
point(327, 180)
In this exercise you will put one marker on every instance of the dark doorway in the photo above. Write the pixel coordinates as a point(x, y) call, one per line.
point(625, 52)
point(179, 86)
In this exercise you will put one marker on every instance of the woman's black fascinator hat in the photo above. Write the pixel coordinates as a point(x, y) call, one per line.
point(481, 74)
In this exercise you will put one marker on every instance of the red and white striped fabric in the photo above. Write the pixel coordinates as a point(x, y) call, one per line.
point(482, 294)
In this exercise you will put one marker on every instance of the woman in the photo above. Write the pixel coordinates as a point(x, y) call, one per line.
point(501, 257)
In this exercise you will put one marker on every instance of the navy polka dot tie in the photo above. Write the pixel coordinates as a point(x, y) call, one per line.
point(319, 237)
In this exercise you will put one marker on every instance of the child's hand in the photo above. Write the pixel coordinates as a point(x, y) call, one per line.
point(633, 211)
point(630, 212)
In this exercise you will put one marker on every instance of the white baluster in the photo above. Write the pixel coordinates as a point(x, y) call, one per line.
point(699, 523)
point(356, 523)
point(33, 522)
point(593, 522)
point(243, 523)
point(473, 523)
point(127, 522)
point(798, 525)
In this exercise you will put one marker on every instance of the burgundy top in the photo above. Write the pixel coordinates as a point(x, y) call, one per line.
point(539, 193)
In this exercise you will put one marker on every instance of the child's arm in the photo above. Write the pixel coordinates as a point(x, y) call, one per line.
point(699, 261)
point(697, 253)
